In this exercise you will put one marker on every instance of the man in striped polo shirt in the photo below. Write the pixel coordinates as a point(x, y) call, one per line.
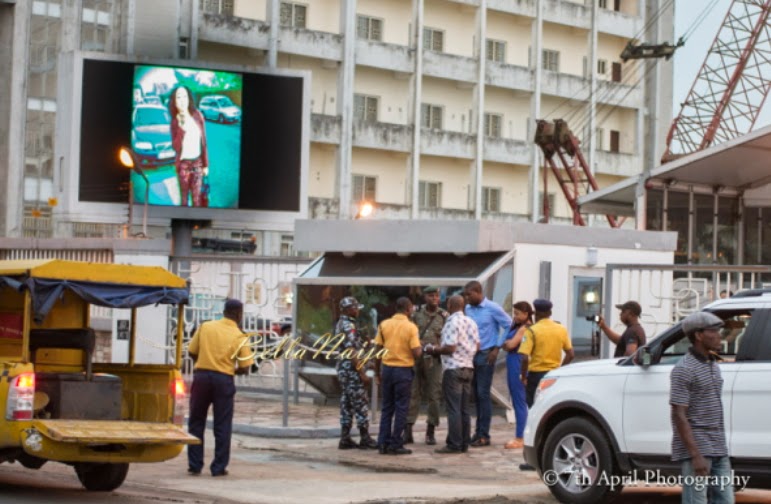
point(699, 440)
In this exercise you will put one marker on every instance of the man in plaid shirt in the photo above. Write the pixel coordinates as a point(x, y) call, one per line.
point(460, 342)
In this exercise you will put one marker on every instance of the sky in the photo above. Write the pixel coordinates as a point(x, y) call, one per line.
point(688, 59)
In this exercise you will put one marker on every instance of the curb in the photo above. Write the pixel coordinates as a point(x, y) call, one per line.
point(283, 432)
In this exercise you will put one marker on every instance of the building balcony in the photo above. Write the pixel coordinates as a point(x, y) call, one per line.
point(618, 23)
point(577, 88)
point(618, 163)
point(435, 142)
point(507, 150)
point(233, 31)
point(385, 56)
point(379, 135)
point(508, 76)
point(316, 44)
point(325, 129)
point(449, 66)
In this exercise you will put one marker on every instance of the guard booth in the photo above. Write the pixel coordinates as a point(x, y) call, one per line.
point(378, 261)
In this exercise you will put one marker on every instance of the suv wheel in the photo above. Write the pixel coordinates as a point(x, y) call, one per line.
point(221, 119)
point(578, 464)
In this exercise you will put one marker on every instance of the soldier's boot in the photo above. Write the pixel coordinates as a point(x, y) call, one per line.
point(366, 440)
point(346, 443)
point(408, 439)
point(430, 439)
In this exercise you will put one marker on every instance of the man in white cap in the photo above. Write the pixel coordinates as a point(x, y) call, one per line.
point(698, 428)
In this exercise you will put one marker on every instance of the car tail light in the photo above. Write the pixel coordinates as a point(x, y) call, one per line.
point(21, 397)
point(180, 401)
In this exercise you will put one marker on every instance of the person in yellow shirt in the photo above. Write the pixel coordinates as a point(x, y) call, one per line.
point(541, 351)
point(399, 336)
point(542, 348)
point(213, 348)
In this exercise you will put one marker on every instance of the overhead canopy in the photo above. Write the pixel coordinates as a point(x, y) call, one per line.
point(742, 164)
point(108, 285)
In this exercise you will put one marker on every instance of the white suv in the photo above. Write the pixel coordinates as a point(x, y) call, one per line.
point(607, 421)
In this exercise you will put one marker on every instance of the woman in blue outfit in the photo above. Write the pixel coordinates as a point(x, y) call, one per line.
point(523, 317)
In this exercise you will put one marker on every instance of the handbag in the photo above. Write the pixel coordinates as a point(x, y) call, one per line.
point(205, 188)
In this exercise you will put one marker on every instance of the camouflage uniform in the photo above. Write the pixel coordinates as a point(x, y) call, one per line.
point(354, 398)
point(428, 369)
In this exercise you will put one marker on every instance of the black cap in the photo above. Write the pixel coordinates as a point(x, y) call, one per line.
point(632, 306)
point(542, 305)
point(233, 305)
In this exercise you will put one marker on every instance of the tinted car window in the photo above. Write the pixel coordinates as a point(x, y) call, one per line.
point(737, 324)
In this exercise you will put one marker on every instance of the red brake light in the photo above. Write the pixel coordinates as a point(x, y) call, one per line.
point(26, 380)
point(179, 387)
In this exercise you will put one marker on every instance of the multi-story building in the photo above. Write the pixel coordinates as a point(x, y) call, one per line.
point(426, 108)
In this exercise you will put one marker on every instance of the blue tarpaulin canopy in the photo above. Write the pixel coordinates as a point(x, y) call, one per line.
point(48, 280)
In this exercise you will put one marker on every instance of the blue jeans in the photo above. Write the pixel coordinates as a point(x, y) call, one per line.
point(456, 385)
point(517, 392)
point(396, 383)
point(483, 381)
point(219, 389)
point(721, 492)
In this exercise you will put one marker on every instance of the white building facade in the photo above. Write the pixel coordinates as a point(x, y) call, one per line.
point(425, 108)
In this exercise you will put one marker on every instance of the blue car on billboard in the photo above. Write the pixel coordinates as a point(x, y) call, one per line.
point(219, 108)
point(151, 135)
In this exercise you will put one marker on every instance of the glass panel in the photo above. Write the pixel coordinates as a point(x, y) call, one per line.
point(726, 231)
point(703, 229)
point(587, 302)
point(654, 211)
point(678, 222)
point(416, 265)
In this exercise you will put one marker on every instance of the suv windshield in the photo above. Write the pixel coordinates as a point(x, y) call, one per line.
point(146, 116)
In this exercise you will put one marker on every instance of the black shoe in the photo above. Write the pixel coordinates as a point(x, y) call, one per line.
point(447, 449)
point(194, 472)
point(483, 441)
point(430, 439)
point(408, 439)
point(526, 467)
point(382, 449)
point(399, 451)
point(221, 473)
point(346, 443)
point(366, 441)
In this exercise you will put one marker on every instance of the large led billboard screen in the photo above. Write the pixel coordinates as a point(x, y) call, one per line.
point(207, 140)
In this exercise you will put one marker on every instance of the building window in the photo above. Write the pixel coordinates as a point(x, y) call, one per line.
point(364, 188)
point(222, 7)
point(287, 245)
point(615, 141)
point(431, 116)
point(369, 28)
point(493, 125)
point(599, 139)
point(293, 14)
point(433, 39)
point(365, 108)
point(551, 60)
point(183, 47)
point(496, 50)
point(602, 67)
point(430, 195)
point(491, 199)
point(603, 4)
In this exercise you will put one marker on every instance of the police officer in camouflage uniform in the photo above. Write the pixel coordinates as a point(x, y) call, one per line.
point(427, 384)
point(352, 380)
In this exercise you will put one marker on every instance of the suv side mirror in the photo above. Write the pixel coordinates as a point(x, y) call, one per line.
point(643, 357)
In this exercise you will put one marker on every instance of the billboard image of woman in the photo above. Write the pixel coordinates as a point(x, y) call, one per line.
point(186, 135)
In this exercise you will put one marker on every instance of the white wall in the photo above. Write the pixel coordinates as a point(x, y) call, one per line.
point(152, 36)
point(323, 81)
point(152, 321)
point(515, 31)
point(321, 179)
point(513, 181)
point(457, 102)
point(515, 107)
point(458, 22)
point(251, 9)
point(454, 176)
point(390, 170)
point(572, 44)
point(393, 94)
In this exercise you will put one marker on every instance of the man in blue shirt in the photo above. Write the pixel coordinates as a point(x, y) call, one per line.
point(493, 322)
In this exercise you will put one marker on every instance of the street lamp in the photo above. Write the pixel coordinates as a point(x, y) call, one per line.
point(129, 160)
point(365, 210)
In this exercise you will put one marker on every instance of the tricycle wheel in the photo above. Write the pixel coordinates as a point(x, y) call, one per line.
point(101, 477)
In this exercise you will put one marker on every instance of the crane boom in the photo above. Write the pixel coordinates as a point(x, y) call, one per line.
point(732, 85)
